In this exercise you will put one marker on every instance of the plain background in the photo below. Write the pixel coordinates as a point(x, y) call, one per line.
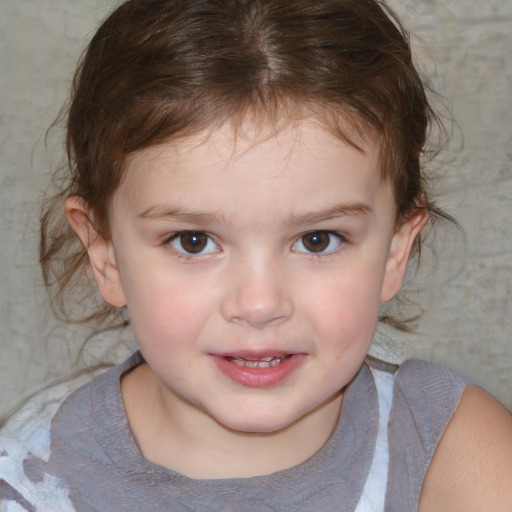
point(466, 291)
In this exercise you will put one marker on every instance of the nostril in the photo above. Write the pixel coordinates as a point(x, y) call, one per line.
point(257, 313)
point(256, 295)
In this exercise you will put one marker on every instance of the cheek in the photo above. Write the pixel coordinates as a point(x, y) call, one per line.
point(163, 307)
point(345, 313)
point(347, 299)
point(167, 325)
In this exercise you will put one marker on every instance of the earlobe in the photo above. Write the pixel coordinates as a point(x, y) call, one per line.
point(100, 250)
point(400, 250)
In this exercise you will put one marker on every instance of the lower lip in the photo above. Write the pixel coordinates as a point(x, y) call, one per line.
point(259, 377)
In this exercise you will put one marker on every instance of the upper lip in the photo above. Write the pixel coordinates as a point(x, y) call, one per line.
point(255, 355)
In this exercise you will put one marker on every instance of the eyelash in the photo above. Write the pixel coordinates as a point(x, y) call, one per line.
point(340, 240)
point(188, 256)
point(184, 254)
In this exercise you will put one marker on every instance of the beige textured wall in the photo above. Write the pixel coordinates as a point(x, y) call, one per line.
point(465, 45)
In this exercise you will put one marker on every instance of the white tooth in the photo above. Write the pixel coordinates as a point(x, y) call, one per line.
point(266, 362)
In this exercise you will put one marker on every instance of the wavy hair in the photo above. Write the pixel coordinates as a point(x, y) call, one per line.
point(161, 70)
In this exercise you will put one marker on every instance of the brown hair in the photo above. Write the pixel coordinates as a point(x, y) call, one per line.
point(158, 70)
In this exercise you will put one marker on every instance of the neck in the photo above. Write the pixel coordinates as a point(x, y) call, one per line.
point(199, 447)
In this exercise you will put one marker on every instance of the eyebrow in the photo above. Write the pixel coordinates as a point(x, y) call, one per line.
point(196, 217)
point(175, 213)
point(335, 212)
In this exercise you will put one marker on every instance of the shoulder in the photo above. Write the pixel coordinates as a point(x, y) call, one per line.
point(46, 440)
point(425, 398)
point(30, 425)
point(421, 377)
point(472, 466)
point(24, 452)
point(426, 395)
point(83, 411)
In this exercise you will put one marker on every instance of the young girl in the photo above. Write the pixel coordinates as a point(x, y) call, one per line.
point(246, 179)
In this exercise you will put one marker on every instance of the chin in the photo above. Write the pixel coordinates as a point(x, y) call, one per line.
point(258, 427)
point(264, 422)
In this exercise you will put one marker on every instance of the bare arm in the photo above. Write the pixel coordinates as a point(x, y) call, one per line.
point(472, 467)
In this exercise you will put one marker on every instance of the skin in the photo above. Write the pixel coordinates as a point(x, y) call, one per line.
point(471, 470)
point(255, 289)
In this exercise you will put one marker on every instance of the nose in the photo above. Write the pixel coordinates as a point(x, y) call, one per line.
point(258, 295)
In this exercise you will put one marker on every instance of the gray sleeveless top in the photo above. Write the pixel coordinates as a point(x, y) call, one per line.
point(94, 463)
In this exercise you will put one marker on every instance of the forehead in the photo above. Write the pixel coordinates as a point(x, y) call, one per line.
point(234, 141)
point(255, 171)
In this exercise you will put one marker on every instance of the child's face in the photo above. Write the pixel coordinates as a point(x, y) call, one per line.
point(253, 272)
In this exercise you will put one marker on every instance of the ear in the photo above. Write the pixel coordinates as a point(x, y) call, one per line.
point(400, 250)
point(100, 250)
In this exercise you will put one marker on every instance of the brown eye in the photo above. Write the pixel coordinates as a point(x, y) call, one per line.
point(318, 242)
point(193, 242)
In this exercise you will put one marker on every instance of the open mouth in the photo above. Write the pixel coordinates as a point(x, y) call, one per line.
point(263, 369)
point(264, 362)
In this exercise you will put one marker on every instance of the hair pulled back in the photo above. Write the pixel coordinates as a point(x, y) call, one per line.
point(158, 70)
